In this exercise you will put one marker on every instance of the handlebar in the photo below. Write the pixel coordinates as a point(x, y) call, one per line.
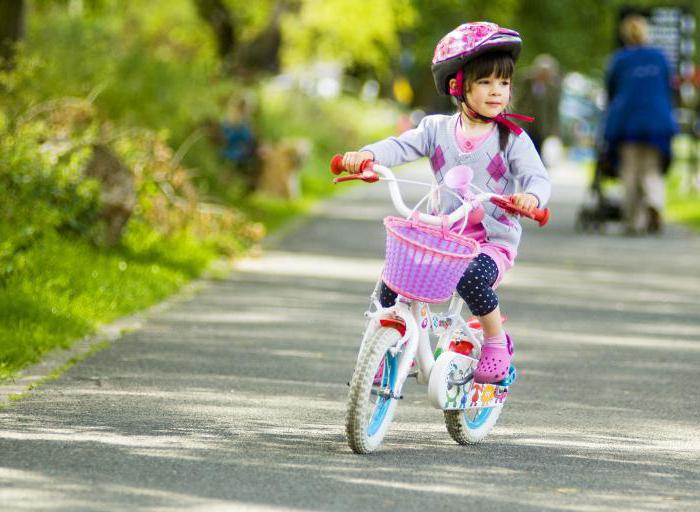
point(539, 215)
point(337, 166)
point(371, 171)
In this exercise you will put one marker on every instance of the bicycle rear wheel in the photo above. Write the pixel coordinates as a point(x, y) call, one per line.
point(372, 399)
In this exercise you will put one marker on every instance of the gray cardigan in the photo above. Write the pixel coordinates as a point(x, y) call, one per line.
point(517, 168)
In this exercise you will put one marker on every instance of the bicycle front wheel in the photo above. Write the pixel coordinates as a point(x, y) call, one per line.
point(471, 426)
point(372, 399)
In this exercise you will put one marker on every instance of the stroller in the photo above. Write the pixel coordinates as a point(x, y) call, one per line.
point(599, 209)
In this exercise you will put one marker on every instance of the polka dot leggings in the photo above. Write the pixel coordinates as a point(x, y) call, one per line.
point(475, 287)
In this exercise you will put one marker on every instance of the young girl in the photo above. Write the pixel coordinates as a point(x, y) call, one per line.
point(474, 63)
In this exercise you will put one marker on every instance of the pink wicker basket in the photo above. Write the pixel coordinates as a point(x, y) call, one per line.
point(424, 262)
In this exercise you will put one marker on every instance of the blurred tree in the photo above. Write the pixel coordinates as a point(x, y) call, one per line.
point(12, 14)
point(248, 34)
point(362, 34)
point(218, 16)
point(262, 51)
point(579, 42)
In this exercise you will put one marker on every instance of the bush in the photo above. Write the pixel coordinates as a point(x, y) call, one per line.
point(146, 86)
point(40, 193)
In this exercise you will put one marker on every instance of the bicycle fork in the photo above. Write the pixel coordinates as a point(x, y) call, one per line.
point(415, 342)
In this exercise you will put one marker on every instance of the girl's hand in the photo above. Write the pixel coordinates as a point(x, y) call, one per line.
point(353, 159)
point(527, 202)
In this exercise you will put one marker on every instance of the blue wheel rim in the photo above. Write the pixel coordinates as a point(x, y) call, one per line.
point(479, 419)
point(383, 403)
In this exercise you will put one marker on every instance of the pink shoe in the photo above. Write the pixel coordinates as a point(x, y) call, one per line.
point(494, 363)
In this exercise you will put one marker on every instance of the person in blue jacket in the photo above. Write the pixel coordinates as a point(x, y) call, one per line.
point(640, 124)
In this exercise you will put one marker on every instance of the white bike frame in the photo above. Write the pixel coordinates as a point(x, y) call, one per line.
point(420, 322)
point(416, 315)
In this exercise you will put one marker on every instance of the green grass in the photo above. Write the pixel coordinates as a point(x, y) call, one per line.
point(65, 288)
point(683, 206)
point(682, 202)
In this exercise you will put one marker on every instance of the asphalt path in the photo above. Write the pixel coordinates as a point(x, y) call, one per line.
point(234, 399)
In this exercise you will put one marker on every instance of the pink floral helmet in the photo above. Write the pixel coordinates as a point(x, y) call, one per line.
point(466, 42)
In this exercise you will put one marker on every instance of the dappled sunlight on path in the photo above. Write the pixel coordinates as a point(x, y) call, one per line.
point(235, 399)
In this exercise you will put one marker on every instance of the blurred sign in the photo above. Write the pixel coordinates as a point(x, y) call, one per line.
point(673, 30)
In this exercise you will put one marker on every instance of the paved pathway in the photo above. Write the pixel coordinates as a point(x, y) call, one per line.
point(234, 399)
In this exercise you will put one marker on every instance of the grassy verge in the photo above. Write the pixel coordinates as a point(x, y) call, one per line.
point(683, 202)
point(64, 287)
point(149, 87)
point(67, 288)
point(683, 206)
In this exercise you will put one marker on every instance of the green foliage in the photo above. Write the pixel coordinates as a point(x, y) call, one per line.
point(135, 78)
point(149, 64)
point(682, 185)
point(355, 33)
point(341, 124)
point(250, 18)
point(581, 42)
point(41, 192)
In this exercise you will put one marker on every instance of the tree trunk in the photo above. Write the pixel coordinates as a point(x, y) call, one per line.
point(218, 16)
point(12, 13)
point(245, 59)
point(262, 53)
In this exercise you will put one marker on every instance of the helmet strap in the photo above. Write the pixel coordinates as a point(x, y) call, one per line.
point(502, 118)
point(458, 90)
point(474, 115)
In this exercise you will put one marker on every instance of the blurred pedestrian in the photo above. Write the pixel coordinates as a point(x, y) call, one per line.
point(640, 124)
point(240, 144)
point(538, 95)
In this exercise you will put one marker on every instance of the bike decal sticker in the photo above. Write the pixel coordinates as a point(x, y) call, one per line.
point(501, 395)
point(474, 396)
point(452, 400)
point(488, 394)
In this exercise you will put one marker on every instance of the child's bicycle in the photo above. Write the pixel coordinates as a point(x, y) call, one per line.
point(424, 262)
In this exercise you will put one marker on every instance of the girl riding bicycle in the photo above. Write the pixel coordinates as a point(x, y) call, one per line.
point(474, 63)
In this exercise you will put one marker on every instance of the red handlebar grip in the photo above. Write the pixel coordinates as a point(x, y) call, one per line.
point(337, 164)
point(368, 176)
point(541, 216)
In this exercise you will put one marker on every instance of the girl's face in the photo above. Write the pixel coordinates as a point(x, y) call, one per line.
point(489, 96)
